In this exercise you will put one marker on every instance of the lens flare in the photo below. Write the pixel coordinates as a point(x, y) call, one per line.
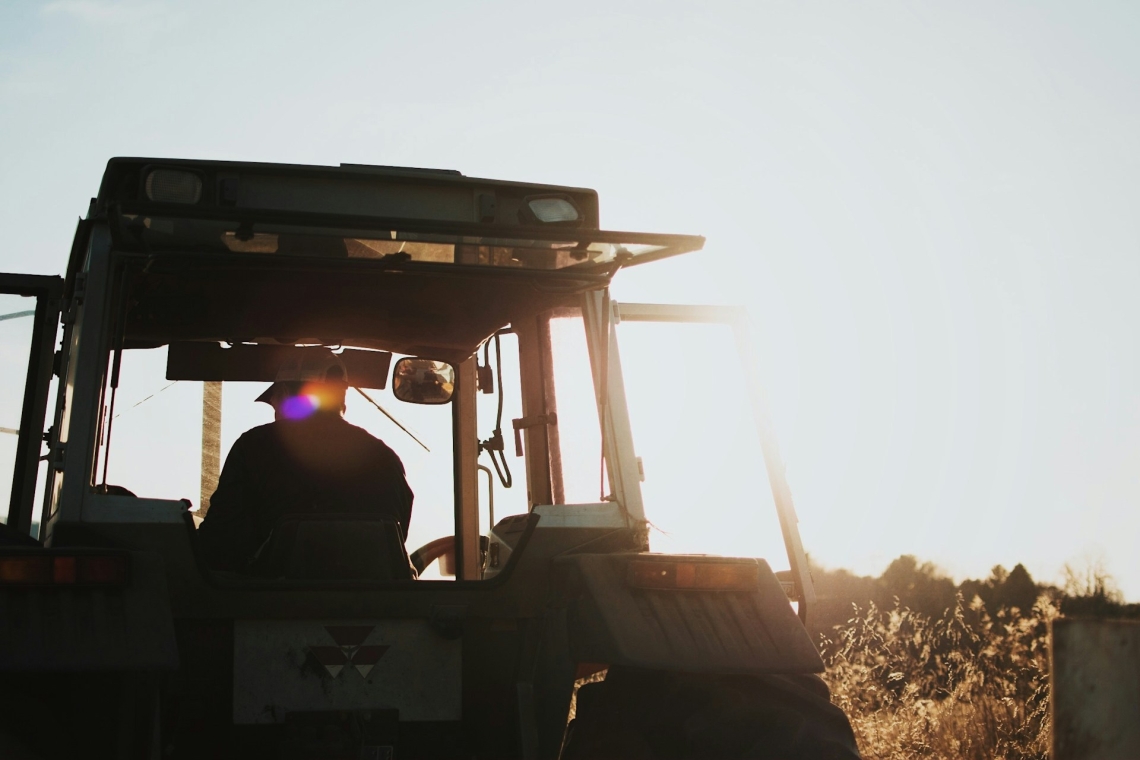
point(300, 406)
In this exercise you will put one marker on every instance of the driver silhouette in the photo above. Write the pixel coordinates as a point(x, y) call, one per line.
point(308, 460)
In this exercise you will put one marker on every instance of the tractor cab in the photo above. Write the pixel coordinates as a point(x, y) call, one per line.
point(473, 323)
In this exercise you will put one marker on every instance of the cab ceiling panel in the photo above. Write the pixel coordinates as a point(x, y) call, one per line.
point(239, 300)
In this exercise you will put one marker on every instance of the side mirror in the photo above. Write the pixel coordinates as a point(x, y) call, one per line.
point(423, 381)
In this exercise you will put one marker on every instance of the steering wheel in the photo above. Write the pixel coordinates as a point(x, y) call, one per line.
point(433, 550)
point(442, 549)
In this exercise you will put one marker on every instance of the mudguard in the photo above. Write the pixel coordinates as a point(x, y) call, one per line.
point(76, 628)
point(698, 630)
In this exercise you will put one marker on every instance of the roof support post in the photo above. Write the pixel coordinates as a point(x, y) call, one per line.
point(466, 453)
point(535, 438)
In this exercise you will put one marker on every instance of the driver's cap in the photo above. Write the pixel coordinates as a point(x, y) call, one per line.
point(309, 366)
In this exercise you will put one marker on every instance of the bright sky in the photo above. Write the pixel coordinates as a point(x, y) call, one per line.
point(929, 210)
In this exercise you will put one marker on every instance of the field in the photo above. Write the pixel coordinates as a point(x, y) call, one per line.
point(965, 685)
point(929, 669)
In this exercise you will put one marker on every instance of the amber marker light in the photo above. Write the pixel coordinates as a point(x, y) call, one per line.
point(698, 575)
point(25, 570)
point(29, 569)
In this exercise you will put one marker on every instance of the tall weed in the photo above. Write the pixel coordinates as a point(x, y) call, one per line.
point(969, 684)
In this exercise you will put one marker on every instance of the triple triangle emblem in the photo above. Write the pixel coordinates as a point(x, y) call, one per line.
point(349, 650)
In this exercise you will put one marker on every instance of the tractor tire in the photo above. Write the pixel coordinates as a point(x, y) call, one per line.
point(653, 715)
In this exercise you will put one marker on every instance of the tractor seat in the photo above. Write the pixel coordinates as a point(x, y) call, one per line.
point(334, 547)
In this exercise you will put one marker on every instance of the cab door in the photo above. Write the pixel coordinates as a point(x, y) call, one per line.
point(29, 321)
point(692, 392)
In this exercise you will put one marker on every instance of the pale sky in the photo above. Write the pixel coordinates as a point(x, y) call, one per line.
point(928, 209)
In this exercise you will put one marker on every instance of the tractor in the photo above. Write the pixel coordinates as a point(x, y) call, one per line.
point(525, 613)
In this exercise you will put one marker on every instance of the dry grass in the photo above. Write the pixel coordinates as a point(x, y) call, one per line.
point(968, 685)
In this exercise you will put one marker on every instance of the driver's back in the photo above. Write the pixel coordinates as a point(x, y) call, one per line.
point(319, 465)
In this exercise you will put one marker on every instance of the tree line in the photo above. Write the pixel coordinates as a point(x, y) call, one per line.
point(923, 588)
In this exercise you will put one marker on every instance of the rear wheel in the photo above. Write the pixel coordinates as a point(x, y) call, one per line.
point(653, 715)
point(93, 716)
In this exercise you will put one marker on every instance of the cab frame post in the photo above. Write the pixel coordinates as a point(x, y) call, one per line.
point(613, 411)
point(466, 453)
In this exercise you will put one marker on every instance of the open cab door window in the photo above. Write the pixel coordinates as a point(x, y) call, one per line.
point(29, 319)
point(713, 478)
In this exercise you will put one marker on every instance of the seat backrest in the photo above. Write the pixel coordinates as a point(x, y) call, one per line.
point(335, 547)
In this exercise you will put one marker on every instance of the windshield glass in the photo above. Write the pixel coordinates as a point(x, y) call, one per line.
point(156, 439)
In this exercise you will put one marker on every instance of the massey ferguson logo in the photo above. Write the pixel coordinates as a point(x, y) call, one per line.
point(349, 649)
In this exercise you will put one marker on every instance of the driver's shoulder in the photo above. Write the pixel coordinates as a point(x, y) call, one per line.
point(258, 434)
point(366, 438)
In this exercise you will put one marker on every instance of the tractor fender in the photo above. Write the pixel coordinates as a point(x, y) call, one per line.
point(749, 628)
point(70, 628)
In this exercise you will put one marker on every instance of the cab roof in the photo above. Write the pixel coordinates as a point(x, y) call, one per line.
point(442, 196)
point(414, 260)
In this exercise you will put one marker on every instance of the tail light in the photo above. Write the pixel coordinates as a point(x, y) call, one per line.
point(692, 575)
point(39, 569)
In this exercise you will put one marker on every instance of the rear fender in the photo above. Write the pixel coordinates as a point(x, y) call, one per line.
point(745, 629)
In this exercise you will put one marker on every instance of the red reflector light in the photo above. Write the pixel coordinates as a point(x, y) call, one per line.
point(103, 570)
point(682, 575)
point(63, 569)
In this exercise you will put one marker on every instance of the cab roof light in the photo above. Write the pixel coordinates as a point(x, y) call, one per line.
point(35, 569)
point(652, 574)
point(549, 209)
point(173, 186)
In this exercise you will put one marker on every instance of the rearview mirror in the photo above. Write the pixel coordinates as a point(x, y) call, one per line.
point(423, 381)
